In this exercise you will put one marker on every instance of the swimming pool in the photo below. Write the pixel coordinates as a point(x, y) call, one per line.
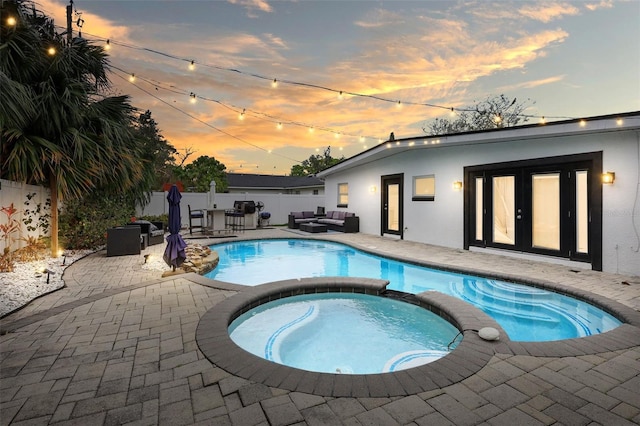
point(526, 313)
point(344, 333)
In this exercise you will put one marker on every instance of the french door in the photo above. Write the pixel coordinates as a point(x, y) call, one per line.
point(550, 206)
point(391, 214)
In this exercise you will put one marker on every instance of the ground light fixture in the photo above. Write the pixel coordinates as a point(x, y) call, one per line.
point(49, 272)
point(146, 257)
point(608, 177)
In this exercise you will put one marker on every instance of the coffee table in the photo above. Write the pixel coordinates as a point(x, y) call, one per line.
point(313, 228)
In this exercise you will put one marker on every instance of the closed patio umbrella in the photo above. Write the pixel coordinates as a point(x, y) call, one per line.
point(174, 254)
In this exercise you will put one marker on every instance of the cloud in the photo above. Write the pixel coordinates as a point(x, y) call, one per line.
point(534, 83)
point(253, 5)
point(604, 4)
point(379, 18)
point(547, 12)
point(93, 24)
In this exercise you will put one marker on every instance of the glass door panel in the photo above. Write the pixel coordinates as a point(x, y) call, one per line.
point(504, 221)
point(545, 221)
point(479, 209)
point(393, 207)
point(582, 212)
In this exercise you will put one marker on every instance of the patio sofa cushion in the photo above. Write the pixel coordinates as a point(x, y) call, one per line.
point(339, 220)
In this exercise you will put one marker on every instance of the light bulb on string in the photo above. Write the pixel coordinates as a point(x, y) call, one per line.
point(241, 116)
point(132, 78)
point(192, 66)
point(452, 113)
point(51, 51)
point(107, 45)
point(279, 126)
point(11, 21)
point(193, 98)
point(542, 120)
point(340, 95)
point(311, 129)
point(337, 135)
point(274, 83)
point(399, 104)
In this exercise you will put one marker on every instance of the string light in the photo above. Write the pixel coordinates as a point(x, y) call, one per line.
point(311, 129)
point(399, 104)
point(193, 98)
point(192, 65)
point(543, 121)
point(310, 85)
point(279, 127)
point(107, 45)
point(583, 123)
point(340, 95)
point(11, 21)
point(51, 51)
point(241, 116)
point(619, 121)
point(132, 78)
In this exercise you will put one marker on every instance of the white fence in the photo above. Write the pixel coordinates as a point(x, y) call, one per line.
point(26, 215)
point(279, 205)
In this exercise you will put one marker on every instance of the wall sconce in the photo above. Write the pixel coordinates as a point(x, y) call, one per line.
point(608, 178)
point(457, 185)
point(373, 189)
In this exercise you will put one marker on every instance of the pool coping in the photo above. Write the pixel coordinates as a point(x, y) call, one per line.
point(471, 354)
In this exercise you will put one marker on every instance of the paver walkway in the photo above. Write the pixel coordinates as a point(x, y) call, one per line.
point(118, 345)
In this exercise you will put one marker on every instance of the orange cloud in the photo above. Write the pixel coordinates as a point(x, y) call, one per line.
point(547, 12)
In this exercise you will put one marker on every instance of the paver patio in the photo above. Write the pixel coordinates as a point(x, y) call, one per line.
point(118, 345)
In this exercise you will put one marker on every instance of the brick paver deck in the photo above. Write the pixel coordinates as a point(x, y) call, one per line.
point(118, 345)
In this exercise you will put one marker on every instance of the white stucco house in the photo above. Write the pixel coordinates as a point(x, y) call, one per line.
point(538, 190)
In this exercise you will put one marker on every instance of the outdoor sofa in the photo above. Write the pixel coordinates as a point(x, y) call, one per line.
point(153, 230)
point(334, 220)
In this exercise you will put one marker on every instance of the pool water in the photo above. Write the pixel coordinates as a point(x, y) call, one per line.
point(344, 333)
point(525, 313)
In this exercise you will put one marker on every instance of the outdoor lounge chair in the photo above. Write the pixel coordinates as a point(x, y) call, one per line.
point(195, 215)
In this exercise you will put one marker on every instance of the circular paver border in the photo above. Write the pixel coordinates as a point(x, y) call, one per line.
point(471, 354)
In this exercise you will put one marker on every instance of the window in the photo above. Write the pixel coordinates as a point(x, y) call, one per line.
point(424, 188)
point(315, 192)
point(343, 194)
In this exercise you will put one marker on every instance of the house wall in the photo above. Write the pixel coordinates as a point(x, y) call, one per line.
point(440, 222)
point(279, 205)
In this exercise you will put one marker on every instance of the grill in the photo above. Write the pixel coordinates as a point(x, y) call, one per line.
point(246, 207)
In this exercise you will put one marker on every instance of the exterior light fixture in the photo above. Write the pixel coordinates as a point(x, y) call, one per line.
point(48, 272)
point(608, 178)
point(457, 185)
point(373, 189)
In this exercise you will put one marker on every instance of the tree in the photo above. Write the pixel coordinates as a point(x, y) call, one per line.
point(197, 176)
point(57, 128)
point(159, 153)
point(315, 164)
point(492, 113)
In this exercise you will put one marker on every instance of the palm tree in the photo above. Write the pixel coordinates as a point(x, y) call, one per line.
point(61, 130)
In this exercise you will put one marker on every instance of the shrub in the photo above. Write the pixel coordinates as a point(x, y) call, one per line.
point(84, 223)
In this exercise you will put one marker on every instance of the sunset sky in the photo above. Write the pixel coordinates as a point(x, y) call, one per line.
point(573, 59)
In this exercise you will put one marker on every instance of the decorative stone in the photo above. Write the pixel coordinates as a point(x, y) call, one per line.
point(489, 333)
